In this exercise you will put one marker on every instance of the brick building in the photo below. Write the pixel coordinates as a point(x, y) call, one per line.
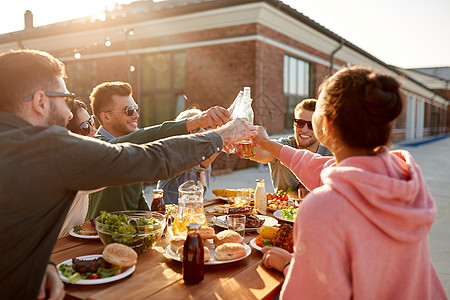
point(181, 53)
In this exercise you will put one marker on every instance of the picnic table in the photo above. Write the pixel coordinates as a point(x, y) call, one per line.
point(160, 277)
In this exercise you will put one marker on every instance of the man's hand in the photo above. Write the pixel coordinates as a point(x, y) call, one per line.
point(276, 258)
point(262, 136)
point(51, 285)
point(236, 130)
point(215, 116)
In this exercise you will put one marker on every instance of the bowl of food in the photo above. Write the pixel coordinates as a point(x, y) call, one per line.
point(139, 230)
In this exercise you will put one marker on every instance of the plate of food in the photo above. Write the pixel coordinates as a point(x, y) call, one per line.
point(271, 236)
point(224, 209)
point(287, 214)
point(85, 230)
point(252, 222)
point(277, 201)
point(117, 262)
point(254, 245)
point(227, 248)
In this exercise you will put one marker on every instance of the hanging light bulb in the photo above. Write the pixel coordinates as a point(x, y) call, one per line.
point(107, 42)
point(132, 69)
point(130, 32)
point(77, 55)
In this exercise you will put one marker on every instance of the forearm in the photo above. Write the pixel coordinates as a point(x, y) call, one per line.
point(271, 149)
point(262, 156)
point(153, 133)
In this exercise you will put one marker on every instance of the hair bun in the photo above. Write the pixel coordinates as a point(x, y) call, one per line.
point(382, 98)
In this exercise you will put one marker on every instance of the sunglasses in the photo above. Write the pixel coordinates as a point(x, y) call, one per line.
point(69, 97)
point(300, 123)
point(85, 127)
point(129, 110)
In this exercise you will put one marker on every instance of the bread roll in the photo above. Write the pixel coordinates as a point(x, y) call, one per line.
point(176, 242)
point(207, 232)
point(120, 255)
point(206, 257)
point(227, 236)
point(230, 251)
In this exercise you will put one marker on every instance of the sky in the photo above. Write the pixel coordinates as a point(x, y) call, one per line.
point(403, 33)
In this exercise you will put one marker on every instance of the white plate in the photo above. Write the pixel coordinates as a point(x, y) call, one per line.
point(124, 274)
point(277, 214)
point(212, 261)
point(81, 236)
point(253, 244)
point(221, 221)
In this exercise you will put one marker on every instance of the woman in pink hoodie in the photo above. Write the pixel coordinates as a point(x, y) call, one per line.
point(362, 233)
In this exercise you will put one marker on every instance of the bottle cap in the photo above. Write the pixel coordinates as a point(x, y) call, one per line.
point(194, 226)
point(158, 191)
point(260, 180)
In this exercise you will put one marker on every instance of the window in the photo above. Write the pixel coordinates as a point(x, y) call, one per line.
point(162, 81)
point(296, 85)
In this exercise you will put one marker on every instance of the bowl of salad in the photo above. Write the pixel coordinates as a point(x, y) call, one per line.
point(139, 230)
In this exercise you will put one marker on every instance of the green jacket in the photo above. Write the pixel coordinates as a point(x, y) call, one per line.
point(131, 197)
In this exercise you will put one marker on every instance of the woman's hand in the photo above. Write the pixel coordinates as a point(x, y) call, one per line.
point(276, 258)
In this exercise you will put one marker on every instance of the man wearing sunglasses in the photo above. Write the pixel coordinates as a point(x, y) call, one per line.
point(303, 138)
point(43, 167)
point(114, 107)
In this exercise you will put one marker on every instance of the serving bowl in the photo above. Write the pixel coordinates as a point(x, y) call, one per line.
point(139, 230)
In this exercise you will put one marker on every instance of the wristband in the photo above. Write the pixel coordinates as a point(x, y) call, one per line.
point(51, 263)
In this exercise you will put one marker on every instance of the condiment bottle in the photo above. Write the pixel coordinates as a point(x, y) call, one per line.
point(260, 198)
point(193, 255)
point(158, 201)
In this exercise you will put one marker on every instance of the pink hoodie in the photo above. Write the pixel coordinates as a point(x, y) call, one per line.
point(363, 232)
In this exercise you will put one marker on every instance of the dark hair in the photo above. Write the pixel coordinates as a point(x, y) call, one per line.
point(74, 123)
point(306, 104)
point(362, 104)
point(24, 72)
point(101, 95)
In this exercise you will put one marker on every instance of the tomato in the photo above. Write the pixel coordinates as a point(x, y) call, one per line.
point(93, 276)
point(258, 241)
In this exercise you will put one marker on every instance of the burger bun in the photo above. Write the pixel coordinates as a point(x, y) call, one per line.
point(176, 242)
point(120, 255)
point(229, 251)
point(87, 228)
point(207, 232)
point(227, 236)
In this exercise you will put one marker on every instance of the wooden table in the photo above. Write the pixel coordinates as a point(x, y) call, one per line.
point(159, 277)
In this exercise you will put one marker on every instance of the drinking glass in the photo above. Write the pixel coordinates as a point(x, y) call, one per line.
point(236, 223)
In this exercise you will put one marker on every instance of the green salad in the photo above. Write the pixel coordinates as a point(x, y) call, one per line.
point(289, 213)
point(72, 276)
point(130, 231)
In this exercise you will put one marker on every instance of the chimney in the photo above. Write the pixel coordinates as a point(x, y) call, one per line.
point(28, 20)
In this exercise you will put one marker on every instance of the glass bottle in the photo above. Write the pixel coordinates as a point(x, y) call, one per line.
point(193, 256)
point(260, 197)
point(158, 201)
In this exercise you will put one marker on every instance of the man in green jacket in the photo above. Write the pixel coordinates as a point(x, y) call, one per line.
point(117, 112)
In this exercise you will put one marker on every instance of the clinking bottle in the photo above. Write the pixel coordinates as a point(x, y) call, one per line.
point(260, 198)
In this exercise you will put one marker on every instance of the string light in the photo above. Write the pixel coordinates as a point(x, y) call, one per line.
point(107, 42)
point(77, 55)
point(132, 69)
